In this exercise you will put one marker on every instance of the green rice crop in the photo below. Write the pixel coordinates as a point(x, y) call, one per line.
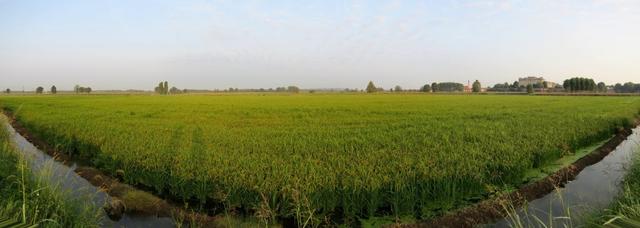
point(311, 157)
point(31, 198)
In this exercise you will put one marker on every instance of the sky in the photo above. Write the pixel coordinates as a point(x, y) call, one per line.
point(217, 44)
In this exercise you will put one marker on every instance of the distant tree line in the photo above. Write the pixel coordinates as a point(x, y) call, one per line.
point(81, 89)
point(54, 90)
point(628, 87)
point(506, 87)
point(576, 84)
point(516, 87)
point(290, 89)
point(579, 85)
point(175, 90)
point(283, 89)
point(447, 87)
point(40, 90)
point(162, 88)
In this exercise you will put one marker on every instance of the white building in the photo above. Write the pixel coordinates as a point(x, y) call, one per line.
point(535, 80)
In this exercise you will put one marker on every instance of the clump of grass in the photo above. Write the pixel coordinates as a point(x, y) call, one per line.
point(140, 201)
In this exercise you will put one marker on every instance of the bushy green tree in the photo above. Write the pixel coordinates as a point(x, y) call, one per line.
point(371, 88)
point(628, 87)
point(602, 87)
point(39, 90)
point(54, 90)
point(530, 89)
point(435, 87)
point(397, 89)
point(426, 88)
point(477, 87)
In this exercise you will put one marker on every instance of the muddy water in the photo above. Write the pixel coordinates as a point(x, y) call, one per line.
point(69, 181)
point(592, 190)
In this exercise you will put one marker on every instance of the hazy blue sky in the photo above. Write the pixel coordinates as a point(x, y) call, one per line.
point(118, 44)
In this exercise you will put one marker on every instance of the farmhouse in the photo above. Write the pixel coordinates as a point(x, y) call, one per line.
point(535, 81)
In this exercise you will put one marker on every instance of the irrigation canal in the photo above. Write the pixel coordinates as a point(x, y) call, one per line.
point(592, 190)
point(70, 181)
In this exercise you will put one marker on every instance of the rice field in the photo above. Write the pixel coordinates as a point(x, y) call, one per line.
point(314, 158)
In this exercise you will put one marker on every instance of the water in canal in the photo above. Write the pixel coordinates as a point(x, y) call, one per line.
point(69, 181)
point(592, 190)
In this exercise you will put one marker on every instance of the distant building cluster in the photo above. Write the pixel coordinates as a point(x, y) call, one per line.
point(536, 81)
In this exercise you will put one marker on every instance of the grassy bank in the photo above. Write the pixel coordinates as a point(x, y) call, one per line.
point(31, 198)
point(315, 158)
point(625, 210)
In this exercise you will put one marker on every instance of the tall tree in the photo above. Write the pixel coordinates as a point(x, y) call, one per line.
point(476, 88)
point(8, 90)
point(580, 84)
point(602, 87)
point(530, 89)
point(371, 88)
point(165, 88)
point(39, 90)
point(54, 90)
point(435, 87)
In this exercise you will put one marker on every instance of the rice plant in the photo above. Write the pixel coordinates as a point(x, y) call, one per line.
point(319, 157)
